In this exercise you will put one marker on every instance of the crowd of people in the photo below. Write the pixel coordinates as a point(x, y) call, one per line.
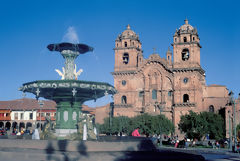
point(22, 131)
point(184, 143)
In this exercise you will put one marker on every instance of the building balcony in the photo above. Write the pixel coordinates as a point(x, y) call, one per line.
point(185, 104)
point(5, 118)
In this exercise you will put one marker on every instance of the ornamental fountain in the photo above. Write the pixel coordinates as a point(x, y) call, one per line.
point(68, 93)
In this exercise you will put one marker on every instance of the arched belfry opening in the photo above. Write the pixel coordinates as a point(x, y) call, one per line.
point(185, 54)
point(125, 44)
point(124, 100)
point(185, 39)
point(125, 58)
point(185, 98)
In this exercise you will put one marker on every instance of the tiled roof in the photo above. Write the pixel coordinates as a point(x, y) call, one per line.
point(85, 108)
point(26, 104)
point(32, 104)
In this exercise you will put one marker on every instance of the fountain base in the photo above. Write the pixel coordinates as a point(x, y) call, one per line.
point(64, 132)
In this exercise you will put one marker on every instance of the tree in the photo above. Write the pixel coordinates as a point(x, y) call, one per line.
point(115, 125)
point(238, 132)
point(214, 125)
point(161, 125)
point(191, 125)
point(197, 125)
point(238, 127)
point(148, 125)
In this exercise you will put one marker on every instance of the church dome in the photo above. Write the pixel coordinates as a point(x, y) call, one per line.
point(128, 34)
point(186, 28)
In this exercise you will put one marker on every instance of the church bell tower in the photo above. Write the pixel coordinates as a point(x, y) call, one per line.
point(189, 77)
point(128, 53)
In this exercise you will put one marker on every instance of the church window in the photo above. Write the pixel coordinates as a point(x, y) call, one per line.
point(185, 80)
point(125, 44)
point(141, 93)
point(193, 38)
point(124, 82)
point(185, 54)
point(117, 44)
point(169, 93)
point(124, 100)
point(133, 43)
point(168, 57)
point(154, 94)
point(185, 39)
point(211, 108)
point(185, 98)
point(175, 39)
point(125, 58)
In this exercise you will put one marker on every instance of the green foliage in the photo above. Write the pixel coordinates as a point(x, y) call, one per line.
point(238, 132)
point(191, 125)
point(214, 125)
point(198, 125)
point(238, 127)
point(147, 124)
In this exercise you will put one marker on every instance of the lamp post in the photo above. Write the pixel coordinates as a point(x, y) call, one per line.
point(40, 102)
point(160, 109)
point(230, 130)
point(234, 120)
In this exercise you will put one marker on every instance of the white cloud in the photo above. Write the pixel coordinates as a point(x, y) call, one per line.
point(71, 35)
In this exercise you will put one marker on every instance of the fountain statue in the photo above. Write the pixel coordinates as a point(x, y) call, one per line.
point(68, 93)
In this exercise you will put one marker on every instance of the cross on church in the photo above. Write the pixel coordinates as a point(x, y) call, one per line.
point(154, 50)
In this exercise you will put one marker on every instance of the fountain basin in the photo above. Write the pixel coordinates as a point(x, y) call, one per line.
point(69, 96)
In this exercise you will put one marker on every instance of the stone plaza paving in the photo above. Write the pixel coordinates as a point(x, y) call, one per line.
point(140, 149)
point(39, 150)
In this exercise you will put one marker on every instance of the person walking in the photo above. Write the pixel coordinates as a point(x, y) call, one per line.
point(136, 133)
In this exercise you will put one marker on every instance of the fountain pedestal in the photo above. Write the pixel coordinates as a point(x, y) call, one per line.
point(67, 118)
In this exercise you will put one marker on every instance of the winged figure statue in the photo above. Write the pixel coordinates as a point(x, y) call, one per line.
point(76, 74)
point(62, 74)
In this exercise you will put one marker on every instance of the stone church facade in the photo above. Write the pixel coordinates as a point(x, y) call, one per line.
point(171, 86)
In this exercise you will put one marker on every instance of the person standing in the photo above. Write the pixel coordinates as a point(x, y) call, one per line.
point(35, 135)
point(176, 144)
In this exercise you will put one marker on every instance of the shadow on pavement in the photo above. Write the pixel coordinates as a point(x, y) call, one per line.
point(62, 149)
point(148, 152)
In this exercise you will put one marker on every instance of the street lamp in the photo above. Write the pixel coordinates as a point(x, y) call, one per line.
point(157, 105)
point(230, 130)
point(40, 102)
point(234, 119)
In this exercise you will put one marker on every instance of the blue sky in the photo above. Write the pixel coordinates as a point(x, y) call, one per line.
point(27, 27)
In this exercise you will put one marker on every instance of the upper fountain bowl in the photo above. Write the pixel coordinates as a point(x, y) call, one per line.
point(81, 48)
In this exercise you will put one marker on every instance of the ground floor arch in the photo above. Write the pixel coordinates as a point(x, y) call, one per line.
point(1, 124)
point(28, 125)
point(8, 125)
point(14, 125)
point(21, 125)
